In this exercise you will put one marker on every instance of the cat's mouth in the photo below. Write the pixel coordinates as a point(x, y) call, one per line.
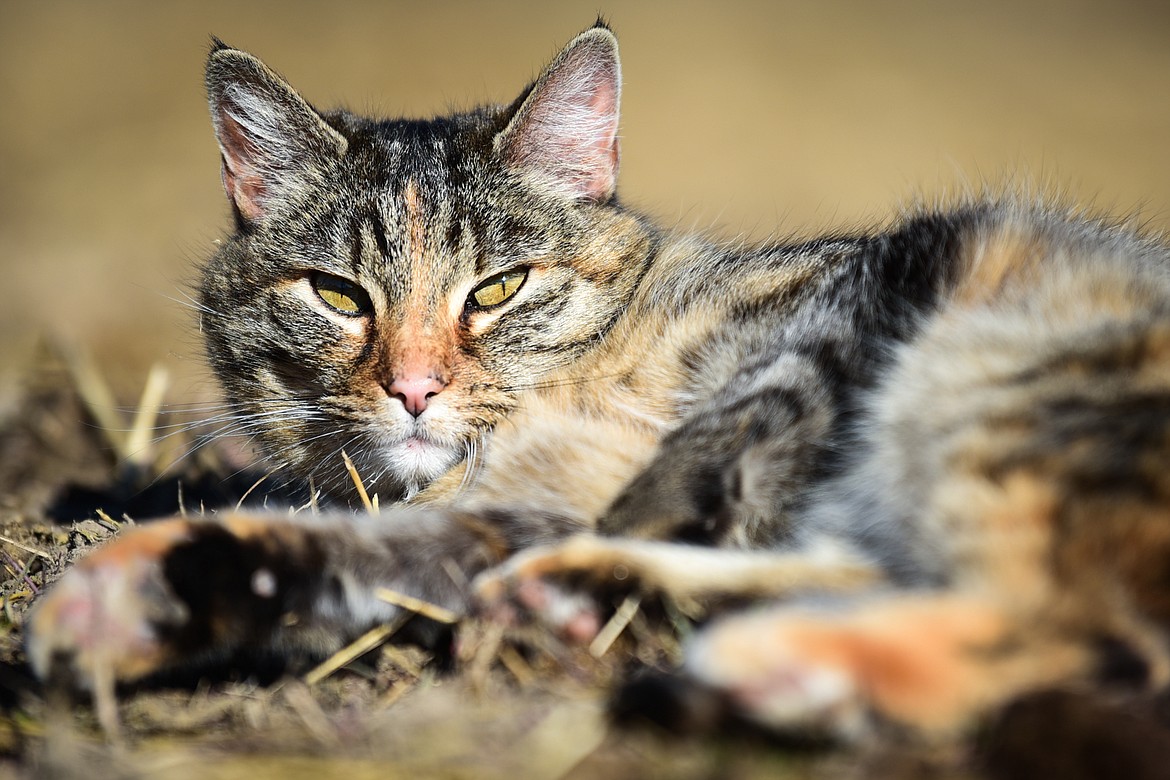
point(418, 460)
point(417, 444)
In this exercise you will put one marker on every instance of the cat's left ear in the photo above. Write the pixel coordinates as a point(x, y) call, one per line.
point(565, 132)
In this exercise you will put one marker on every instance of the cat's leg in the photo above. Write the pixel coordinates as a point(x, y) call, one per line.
point(176, 592)
point(738, 466)
point(547, 584)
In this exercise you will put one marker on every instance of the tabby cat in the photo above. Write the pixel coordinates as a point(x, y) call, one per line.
point(941, 450)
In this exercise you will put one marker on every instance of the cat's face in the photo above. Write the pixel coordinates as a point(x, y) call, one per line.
point(393, 286)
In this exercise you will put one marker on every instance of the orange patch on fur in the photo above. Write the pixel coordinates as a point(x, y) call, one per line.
point(272, 533)
point(913, 660)
point(247, 526)
point(996, 261)
point(150, 540)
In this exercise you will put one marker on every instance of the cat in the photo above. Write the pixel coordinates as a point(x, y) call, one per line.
point(936, 452)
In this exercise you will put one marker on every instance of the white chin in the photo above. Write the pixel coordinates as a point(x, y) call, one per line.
point(417, 463)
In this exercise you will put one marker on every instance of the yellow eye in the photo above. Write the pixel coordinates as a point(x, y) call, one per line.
point(499, 288)
point(340, 294)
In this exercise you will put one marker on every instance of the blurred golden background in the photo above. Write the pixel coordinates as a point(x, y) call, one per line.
point(756, 117)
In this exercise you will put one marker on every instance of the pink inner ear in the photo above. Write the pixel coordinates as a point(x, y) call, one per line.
point(241, 176)
point(605, 145)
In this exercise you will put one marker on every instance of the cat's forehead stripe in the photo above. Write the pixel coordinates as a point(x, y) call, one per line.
point(414, 229)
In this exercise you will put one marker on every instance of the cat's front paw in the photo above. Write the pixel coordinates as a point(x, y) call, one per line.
point(178, 592)
point(673, 498)
point(563, 587)
point(108, 616)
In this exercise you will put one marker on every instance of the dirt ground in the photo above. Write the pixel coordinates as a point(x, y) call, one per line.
point(753, 118)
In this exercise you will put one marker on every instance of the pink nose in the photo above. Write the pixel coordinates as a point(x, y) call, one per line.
point(415, 392)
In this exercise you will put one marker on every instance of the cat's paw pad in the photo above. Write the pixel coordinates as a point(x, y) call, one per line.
point(783, 672)
point(555, 587)
point(103, 620)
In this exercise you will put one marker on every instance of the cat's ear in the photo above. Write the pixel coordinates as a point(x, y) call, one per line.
point(271, 140)
point(565, 132)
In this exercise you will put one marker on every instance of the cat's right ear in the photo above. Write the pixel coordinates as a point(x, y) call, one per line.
point(271, 140)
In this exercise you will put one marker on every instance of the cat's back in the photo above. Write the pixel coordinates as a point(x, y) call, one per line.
point(1032, 397)
point(853, 297)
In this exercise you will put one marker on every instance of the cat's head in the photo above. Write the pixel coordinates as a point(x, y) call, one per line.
point(392, 286)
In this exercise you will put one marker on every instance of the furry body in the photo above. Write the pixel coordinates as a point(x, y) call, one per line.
point(963, 416)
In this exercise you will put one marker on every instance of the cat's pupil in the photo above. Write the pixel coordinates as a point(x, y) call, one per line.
point(499, 288)
point(341, 294)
